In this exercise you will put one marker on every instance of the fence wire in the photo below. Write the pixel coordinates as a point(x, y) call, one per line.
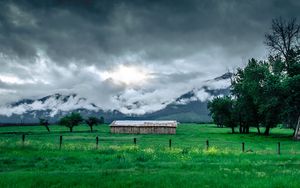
point(40, 141)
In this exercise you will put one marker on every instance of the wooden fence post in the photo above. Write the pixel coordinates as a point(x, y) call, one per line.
point(170, 143)
point(278, 149)
point(243, 147)
point(60, 141)
point(134, 141)
point(23, 139)
point(97, 142)
point(207, 144)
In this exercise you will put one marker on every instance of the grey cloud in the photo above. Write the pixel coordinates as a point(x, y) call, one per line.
point(177, 77)
point(181, 42)
point(93, 31)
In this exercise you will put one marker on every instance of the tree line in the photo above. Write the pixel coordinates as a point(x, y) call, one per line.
point(74, 119)
point(265, 93)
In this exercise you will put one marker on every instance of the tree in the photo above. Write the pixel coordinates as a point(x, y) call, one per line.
point(92, 121)
point(222, 111)
point(258, 92)
point(283, 41)
point(71, 120)
point(247, 88)
point(266, 92)
point(44, 122)
point(247, 113)
point(291, 106)
point(283, 38)
point(271, 101)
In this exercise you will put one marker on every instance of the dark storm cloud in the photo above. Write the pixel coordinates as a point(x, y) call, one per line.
point(93, 31)
point(51, 44)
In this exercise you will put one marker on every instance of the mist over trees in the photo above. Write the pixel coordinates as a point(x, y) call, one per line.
point(265, 93)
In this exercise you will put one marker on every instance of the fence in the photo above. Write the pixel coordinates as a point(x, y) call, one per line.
point(62, 141)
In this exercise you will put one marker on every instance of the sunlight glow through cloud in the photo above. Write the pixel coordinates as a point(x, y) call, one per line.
point(128, 75)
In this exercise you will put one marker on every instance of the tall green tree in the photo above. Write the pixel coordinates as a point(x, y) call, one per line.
point(247, 87)
point(222, 111)
point(259, 96)
point(291, 108)
point(267, 93)
point(271, 102)
point(71, 120)
point(283, 42)
point(247, 113)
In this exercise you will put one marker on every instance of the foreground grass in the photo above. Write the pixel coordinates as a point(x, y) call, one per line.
point(118, 163)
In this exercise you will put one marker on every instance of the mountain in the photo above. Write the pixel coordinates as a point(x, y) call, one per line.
point(52, 107)
point(189, 107)
point(192, 106)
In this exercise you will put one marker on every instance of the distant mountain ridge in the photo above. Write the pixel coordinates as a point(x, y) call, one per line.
point(189, 107)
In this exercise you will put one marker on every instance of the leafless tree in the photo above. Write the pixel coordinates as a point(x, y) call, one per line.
point(45, 123)
point(284, 37)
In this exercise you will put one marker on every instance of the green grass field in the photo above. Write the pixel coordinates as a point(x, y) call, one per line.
point(118, 163)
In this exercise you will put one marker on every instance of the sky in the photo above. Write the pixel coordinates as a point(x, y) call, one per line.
point(117, 53)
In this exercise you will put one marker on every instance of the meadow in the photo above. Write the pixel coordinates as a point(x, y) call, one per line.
point(118, 162)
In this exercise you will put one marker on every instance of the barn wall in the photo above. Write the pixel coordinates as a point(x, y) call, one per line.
point(142, 130)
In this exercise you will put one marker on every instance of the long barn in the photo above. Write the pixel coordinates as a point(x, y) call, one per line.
point(143, 127)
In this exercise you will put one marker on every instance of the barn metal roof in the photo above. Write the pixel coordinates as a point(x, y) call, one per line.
point(170, 123)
